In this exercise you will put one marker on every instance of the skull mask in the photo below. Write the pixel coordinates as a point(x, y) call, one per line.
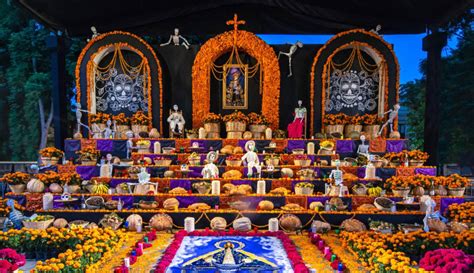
point(123, 89)
point(350, 87)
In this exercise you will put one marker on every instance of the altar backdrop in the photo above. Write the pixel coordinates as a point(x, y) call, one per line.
point(175, 65)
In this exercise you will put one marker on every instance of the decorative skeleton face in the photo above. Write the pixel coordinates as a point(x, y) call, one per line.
point(123, 89)
point(350, 87)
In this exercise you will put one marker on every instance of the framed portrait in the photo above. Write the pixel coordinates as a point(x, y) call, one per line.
point(235, 88)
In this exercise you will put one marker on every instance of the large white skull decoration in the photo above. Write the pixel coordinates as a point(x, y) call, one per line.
point(350, 84)
point(352, 89)
point(123, 90)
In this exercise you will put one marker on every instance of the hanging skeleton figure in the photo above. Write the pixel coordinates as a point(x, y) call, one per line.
point(376, 30)
point(79, 111)
point(94, 33)
point(290, 53)
point(392, 115)
point(175, 38)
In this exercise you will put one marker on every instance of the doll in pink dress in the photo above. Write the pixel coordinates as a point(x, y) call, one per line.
point(295, 129)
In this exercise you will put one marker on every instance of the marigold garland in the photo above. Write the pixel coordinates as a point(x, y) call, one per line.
point(323, 77)
point(255, 47)
point(101, 37)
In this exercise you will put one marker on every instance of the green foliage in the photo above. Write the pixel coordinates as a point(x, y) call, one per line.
point(456, 142)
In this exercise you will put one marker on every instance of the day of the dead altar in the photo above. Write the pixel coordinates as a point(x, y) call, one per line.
point(267, 161)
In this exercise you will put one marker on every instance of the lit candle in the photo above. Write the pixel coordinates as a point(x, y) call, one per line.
point(126, 262)
point(134, 253)
point(140, 246)
point(145, 239)
point(333, 257)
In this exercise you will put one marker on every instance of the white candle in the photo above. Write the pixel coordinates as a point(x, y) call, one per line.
point(126, 261)
point(157, 148)
point(140, 246)
point(273, 224)
point(310, 148)
point(216, 187)
point(189, 224)
point(261, 187)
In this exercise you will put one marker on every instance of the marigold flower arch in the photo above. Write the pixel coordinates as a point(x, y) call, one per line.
point(255, 47)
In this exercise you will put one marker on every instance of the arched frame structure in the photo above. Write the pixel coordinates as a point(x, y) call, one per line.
point(372, 44)
point(252, 45)
point(101, 45)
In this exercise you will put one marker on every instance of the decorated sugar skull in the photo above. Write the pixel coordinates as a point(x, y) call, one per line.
point(350, 87)
point(211, 157)
point(250, 146)
point(123, 90)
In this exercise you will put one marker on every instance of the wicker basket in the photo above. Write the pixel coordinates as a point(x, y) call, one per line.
point(121, 131)
point(302, 162)
point(163, 162)
point(235, 126)
point(194, 161)
point(257, 130)
point(212, 127)
point(213, 135)
point(304, 190)
point(91, 206)
point(143, 149)
point(349, 128)
point(272, 161)
point(233, 163)
point(139, 128)
point(325, 152)
point(456, 191)
point(360, 190)
point(372, 130)
point(38, 225)
point(49, 160)
point(234, 135)
point(86, 162)
point(17, 188)
point(402, 192)
point(331, 129)
point(416, 163)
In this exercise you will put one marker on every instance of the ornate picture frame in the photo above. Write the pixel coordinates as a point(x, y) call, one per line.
point(235, 87)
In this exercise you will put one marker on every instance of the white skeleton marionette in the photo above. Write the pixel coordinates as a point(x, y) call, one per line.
point(175, 38)
point(363, 148)
point(176, 119)
point(130, 146)
point(108, 133)
point(376, 30)
point(210, 170)
point(94, 33)
point(79, 111)
point(392, 115)
point(337, 175)
point(251, 158)
point(290, 53)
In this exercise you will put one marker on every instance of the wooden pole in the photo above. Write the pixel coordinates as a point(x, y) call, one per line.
point(433, 44)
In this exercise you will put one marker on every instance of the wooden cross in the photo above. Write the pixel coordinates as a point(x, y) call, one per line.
point(236, 24)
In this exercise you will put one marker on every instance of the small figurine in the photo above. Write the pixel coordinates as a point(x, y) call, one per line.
point(427, 205)
point(337, 175)
point(376, 30)
point(251, 158)
point(175, 38)
point(143, 176)
point(295, 129)
point(210, 170)
point(79, 111)
point(130, 146)
point(15, 217)
point(176, 119)
point(392, 115)
point(108, 131)
point(94, 33)
point(96, 131)
point(290, 53)
point(114, 129)
point(363, 148)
